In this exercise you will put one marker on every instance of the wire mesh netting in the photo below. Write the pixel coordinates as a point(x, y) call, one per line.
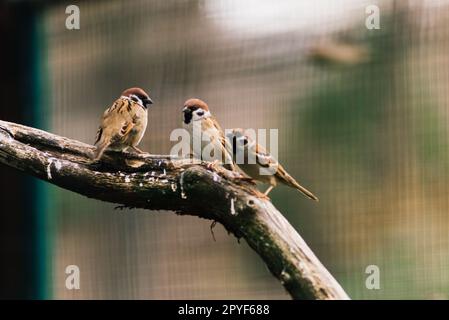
point(362, 122)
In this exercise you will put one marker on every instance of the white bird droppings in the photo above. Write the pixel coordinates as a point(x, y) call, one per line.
point(233, 212)
point(181, 183)
point(285, 276)
point(58, 165)
point(50, 162)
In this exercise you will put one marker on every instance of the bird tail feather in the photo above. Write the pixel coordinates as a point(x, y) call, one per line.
point(293, 183)
point(306, 192)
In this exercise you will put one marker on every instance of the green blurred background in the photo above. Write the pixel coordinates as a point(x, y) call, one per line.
point(362, 118)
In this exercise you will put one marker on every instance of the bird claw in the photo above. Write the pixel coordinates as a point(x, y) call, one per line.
point(137, 150)
point(262, 196)
point(213, 166)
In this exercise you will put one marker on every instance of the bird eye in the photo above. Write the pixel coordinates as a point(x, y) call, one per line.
point(200, 113)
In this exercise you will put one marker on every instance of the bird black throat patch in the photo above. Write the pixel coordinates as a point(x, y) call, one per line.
point(188, 116)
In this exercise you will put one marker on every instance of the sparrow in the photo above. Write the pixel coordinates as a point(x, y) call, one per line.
point(124, 123)
point(205, 132)
point(263, 161)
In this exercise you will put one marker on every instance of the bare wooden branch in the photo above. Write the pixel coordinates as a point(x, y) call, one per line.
point(162, 183)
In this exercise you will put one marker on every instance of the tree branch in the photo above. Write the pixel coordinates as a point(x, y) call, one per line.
point(162, 183)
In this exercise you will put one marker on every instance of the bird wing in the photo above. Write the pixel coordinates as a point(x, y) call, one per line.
point(98, 135)
point(266, 160)
point(117, 122)
point(224, 142)
point(212, 123)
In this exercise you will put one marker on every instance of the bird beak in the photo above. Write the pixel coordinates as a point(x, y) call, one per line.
point(147, 102)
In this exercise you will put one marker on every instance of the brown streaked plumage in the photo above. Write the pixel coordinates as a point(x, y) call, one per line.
point(196, 112)
point(241, 142)
point(124, 123)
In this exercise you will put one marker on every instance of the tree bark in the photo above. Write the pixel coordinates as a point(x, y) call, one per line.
point(186, 187)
